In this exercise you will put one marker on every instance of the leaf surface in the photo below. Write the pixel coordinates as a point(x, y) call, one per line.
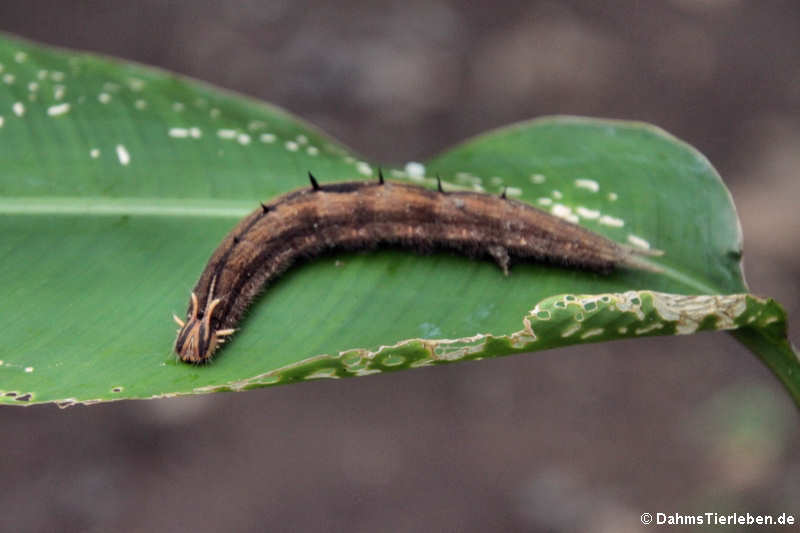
point(118, 181)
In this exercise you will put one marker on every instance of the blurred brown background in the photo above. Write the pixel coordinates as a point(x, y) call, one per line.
point(578, 439)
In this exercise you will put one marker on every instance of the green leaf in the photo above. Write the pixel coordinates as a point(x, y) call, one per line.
point(118, 181)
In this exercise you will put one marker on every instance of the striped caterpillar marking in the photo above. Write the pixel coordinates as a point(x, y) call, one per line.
point(363, 215)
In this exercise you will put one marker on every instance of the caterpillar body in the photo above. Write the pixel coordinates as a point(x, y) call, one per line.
point(363, 215)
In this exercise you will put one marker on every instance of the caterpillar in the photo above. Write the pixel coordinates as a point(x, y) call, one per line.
point(364, 215)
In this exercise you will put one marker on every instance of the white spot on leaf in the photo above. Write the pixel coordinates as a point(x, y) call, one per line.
point(638, 241)
point(19, 108)
point(364, 168)
point(585, 212)
point(592, 333)
point(649, 328)
point(565, 212)
point(123, 155)
point(324, 373)
point(608, 220)
point(587, 184)
point(414, 170)
point(58, 109)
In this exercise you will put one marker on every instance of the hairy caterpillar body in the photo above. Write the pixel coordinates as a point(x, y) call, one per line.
point(363, 215)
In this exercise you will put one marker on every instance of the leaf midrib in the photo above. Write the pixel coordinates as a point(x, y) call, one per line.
point(197, 208)
point(141, 206)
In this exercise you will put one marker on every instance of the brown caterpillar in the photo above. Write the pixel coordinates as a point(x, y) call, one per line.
point(363, 215)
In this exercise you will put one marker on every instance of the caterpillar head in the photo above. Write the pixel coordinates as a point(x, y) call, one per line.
point(197, 339)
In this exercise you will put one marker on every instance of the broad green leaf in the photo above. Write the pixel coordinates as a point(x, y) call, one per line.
point(118, 181)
